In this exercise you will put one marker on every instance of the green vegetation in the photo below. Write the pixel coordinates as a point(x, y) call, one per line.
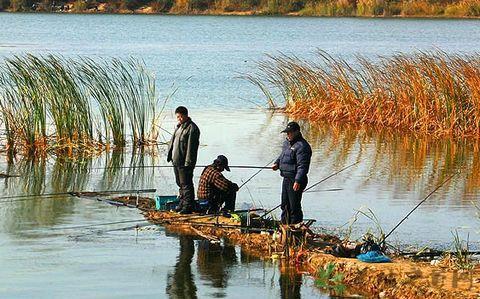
point(385, 8)
point(433, 93)
point(55, 103)
point(330, 281)
point(375, 234)
point(460, 256)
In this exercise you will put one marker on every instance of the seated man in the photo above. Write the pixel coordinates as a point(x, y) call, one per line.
point(215, 188)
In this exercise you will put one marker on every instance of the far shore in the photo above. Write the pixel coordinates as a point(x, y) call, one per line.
point(107, 8)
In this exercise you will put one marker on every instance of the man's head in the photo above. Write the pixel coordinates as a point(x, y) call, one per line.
point(221, 163)
point(182, 114)
point(292, 130)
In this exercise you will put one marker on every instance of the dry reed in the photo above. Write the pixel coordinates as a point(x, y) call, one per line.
point(427, 92)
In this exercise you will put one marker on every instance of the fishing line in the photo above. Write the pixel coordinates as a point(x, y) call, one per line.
point(418, 205)
point(260, 169)
point(316, 184)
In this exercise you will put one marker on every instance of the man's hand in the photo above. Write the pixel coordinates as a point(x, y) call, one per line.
point(235, 187)
point(296, 186)
point(275, 167)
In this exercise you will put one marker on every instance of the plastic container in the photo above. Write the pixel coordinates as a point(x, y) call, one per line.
point(166, 202)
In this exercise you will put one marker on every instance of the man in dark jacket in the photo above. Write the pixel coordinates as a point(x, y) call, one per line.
point(182, 152)
point(215, 188)
point(294, 163)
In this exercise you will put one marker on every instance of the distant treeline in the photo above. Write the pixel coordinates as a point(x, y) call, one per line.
point(433, 8)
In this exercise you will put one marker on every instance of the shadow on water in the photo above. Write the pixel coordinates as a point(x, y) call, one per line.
point(290, 284)
point(214, 264)
point(180, 283)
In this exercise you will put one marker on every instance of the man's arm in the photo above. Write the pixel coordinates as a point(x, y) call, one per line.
point(303, 155)
point(192, 147)
point(221, 182)
point(170, 147)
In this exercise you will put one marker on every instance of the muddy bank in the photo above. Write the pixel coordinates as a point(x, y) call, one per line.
point(402, 278)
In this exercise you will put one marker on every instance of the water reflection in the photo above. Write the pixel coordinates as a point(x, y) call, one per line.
point(401, 161)
point(290, 283)
point(395, 170)
point(35, 212)
point(215, 264)
point(43, 175)
point(180, 283)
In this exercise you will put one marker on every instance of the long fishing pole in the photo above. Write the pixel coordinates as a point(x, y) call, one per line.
point(333, 174)
point(255, 174)
point(419, 204)
point(99, 232)
point(208, 215)
point(75, 193)
point(98, 224)
point(171, 166)
point(314, 185)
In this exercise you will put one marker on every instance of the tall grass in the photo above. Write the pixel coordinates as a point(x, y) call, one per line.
point(428, 92)
point(54, 103)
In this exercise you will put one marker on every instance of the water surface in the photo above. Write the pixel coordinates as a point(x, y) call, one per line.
point(203, 56)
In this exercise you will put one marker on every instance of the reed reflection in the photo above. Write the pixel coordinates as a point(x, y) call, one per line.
point(399, 162)
point(44, 175)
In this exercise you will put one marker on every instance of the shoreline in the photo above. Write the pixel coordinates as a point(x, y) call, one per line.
point(401, 278)
point(147, 11)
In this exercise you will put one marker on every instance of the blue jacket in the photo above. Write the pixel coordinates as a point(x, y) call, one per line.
point(294, 161)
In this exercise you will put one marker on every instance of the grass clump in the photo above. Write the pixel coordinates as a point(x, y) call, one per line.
point(427, 92)
point(330, 280)
point(55, 103)
point(460, 256)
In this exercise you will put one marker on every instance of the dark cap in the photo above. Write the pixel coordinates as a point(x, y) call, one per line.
point(291, 127)
point(223, 161)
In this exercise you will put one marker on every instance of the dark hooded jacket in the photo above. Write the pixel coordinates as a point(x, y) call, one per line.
point(184, 152)
point(294, 161)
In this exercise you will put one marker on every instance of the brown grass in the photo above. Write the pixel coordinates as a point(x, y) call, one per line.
point(434, 93)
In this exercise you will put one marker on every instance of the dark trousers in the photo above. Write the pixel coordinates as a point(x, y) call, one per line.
point(292, 202)
point(184, 179)
point(220, 197)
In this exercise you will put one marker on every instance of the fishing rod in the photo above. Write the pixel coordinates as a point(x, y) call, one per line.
point(98, 224)
point(99, 232)
point(314, 185)
point(209, 215)
point(255, 174)
point(209, 224)
point(204, 224)
point(332, 175)
point(171, 166)
point(326, 190)
point(419, 204)
point(74, 193)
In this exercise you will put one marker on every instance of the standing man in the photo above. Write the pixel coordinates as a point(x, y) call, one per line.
point(182, 152)
point(294, 162)
point(215, 188)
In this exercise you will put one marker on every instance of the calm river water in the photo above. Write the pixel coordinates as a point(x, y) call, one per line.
point(203, 57)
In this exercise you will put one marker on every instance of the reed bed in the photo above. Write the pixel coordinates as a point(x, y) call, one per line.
point(76, 104)
point(434, 93)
